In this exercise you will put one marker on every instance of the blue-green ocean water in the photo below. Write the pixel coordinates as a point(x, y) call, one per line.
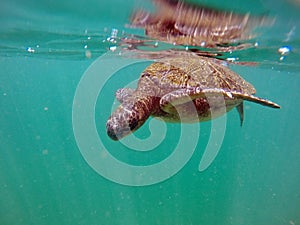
point(45, 48)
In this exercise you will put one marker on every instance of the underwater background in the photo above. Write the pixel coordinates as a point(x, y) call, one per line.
point(45, 49)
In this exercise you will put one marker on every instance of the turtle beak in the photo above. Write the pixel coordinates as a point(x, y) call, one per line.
point(111, 132)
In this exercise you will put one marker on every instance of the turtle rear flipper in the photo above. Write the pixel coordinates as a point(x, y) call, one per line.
point(240, 109)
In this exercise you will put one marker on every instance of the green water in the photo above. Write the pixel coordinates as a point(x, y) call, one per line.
point(44, 178)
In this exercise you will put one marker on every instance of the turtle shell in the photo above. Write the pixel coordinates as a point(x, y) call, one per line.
point(174, 73)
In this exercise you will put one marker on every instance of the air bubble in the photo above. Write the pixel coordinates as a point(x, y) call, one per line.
point(112, 48)
point(88, 54)
point(232, 59)
point(113, 36)
point(114, 33)
point(30, 50)
point(284, 50)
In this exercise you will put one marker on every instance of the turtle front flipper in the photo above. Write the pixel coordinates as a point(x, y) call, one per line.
point(252, 98)
point(129, 116)
point(183, 96)
point(211, 105)
point(208, 103)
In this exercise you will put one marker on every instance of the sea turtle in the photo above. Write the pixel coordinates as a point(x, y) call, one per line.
point(181, 89)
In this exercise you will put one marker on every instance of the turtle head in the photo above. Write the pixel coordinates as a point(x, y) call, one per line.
point(128, 117)
point(122, 122)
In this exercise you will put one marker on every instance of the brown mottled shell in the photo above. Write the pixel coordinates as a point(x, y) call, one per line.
point(181, 72)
